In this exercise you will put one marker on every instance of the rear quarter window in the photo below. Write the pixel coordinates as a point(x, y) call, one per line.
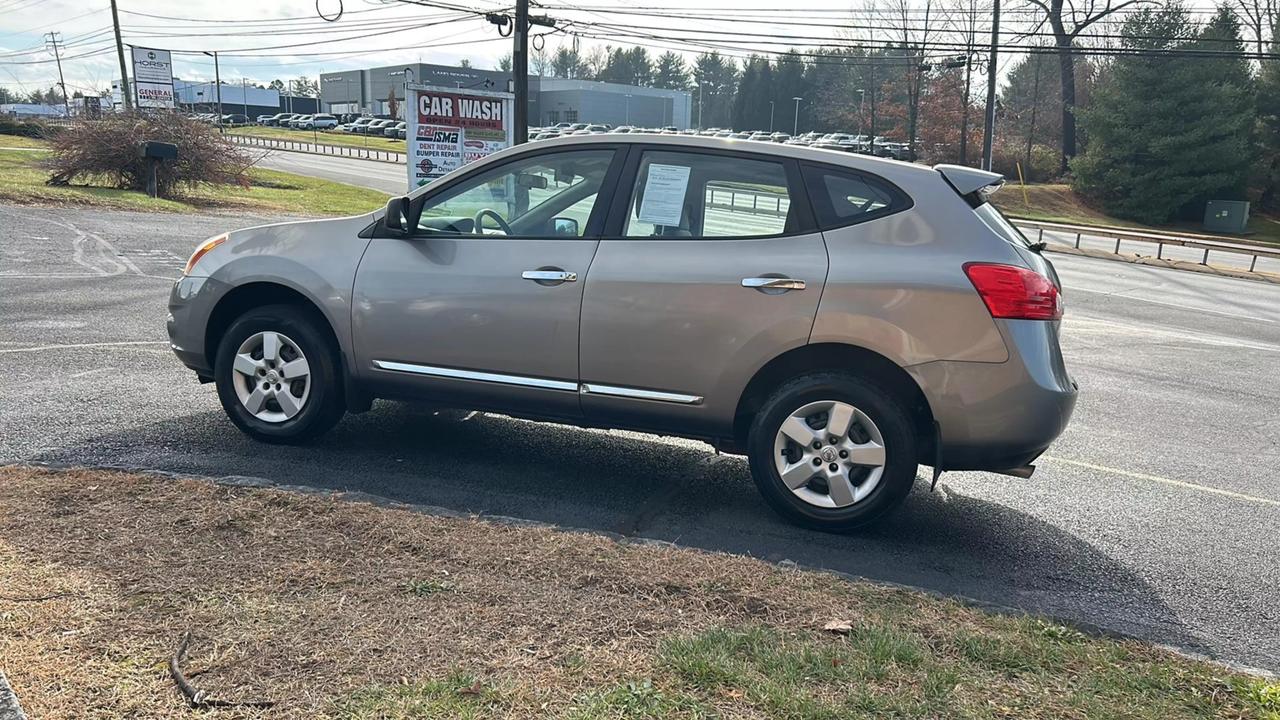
point(844, 197)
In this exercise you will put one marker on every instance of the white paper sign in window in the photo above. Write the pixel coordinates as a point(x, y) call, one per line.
point(664, 189)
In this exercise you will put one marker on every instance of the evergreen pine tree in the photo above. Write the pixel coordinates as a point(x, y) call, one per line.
point(1166, 133)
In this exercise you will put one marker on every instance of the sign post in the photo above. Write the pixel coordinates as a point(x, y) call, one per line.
point(449, 127)
point(152, 78)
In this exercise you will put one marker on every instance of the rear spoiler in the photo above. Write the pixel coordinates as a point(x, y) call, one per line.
point(967, 180)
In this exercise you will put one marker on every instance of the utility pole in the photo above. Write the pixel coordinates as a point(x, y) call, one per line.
point(520, 62)
point(124, 69)
point(520, 71)
point(989, 126)
point(795, 125)
point(699, 103)
point(964, 113)
point(52, 39)
point(217, 79)
point(244, 96)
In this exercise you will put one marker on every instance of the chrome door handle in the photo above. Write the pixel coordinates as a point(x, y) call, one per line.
point(549, 276)
point(772, 283)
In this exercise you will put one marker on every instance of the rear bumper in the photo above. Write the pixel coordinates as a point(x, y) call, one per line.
point(995, 416)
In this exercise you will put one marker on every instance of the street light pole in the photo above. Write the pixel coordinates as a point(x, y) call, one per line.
point(795, 126)
point(989, 125)
point(628, 109)
point(244, 95)
point(770, 116)
point(217, 79)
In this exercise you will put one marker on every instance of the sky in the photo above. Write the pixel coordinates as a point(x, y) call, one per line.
point(260, 40)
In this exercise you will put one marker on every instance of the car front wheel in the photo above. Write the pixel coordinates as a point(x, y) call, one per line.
point(832, 452)
point(277, 375)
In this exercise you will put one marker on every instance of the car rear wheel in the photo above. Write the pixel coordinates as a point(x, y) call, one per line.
point(277, 377)
point(832, 452)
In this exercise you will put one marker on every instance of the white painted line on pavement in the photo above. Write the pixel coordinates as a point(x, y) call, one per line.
point(74, 346)
point(1081, 323)
point(1166, 481)
point(1240, 316)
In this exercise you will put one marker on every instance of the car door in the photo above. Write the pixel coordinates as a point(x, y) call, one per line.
point(710, 267)
point(480, 305)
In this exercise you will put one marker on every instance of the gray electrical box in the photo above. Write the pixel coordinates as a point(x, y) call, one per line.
point(1226, 216)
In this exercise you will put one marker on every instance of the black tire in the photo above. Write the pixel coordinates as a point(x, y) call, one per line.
point(324, 405)
point(886, 411)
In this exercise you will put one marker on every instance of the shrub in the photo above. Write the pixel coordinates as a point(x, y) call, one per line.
point(1005, 158)
point(10, 125)
point(109, 150)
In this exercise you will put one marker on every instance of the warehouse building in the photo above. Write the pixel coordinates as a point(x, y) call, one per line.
point(551, 100)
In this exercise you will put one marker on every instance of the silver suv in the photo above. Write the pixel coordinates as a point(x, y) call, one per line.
point(838, 318)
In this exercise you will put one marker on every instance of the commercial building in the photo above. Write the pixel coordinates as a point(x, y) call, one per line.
point(237, 98)
point(551, 100)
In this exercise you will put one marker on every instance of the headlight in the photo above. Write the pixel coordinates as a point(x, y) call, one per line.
point(203, 248)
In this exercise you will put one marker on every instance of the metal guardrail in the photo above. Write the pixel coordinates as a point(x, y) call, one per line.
point(1205, 243)
point(351, 151)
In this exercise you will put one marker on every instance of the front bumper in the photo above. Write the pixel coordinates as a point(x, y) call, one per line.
point(191, 303)
point(996, 416)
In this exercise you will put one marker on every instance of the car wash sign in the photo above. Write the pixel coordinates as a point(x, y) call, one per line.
point(152, 78)
point(449, 128)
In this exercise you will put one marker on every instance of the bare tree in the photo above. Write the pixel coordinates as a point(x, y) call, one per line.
point(915, 43)
point(1067, 20)
point(1259, 16)
point(965, 21)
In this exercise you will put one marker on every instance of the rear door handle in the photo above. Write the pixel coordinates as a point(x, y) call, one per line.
point(549, 276)
point(772, 283)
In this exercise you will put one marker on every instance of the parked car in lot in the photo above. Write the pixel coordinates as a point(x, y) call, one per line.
point(837, 318)
point(376, 127)
point(355, 125)
point(234, 119)
point(320, 121)
point(281, 119)
point(262, 119)
point(297, 121)
point(395, 130)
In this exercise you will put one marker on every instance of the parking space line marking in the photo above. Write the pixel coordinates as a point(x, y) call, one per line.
point(73, 346)
point(1165, 480)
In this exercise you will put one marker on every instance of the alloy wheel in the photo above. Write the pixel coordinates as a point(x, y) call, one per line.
point(829, 454)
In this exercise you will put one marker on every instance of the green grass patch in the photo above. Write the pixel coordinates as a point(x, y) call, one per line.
point(18, 141)
point(427, 587)
point(456, 697)
point(323, 137)
point(22, 181)
point(1058, 203)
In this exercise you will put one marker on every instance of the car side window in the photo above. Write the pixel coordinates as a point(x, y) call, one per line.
point(843, 198)
point(696, 195)
point(547, 195)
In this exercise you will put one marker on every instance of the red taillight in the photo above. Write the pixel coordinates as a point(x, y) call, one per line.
point(1015, 292)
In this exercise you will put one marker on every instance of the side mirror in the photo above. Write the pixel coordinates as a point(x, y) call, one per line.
point(397, 215)
point(563, 226)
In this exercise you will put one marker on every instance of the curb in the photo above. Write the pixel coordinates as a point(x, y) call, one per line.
point(248, 481)
point(9, 707)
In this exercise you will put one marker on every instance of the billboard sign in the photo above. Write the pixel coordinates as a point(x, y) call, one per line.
point(448, 128)
point(152, 78)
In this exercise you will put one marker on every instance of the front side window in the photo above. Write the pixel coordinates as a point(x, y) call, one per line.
point(693, 195)
point(843, 198)
point(549, 195)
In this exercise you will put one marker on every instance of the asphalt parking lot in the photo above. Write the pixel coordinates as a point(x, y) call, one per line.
point(1155, 514)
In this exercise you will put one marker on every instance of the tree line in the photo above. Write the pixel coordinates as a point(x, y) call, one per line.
point(1172, 115)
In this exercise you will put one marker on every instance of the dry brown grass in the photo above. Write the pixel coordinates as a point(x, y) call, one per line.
point(333, 608)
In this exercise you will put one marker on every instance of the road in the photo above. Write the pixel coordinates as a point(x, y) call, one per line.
point(391, 178)
point(1155, 514)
